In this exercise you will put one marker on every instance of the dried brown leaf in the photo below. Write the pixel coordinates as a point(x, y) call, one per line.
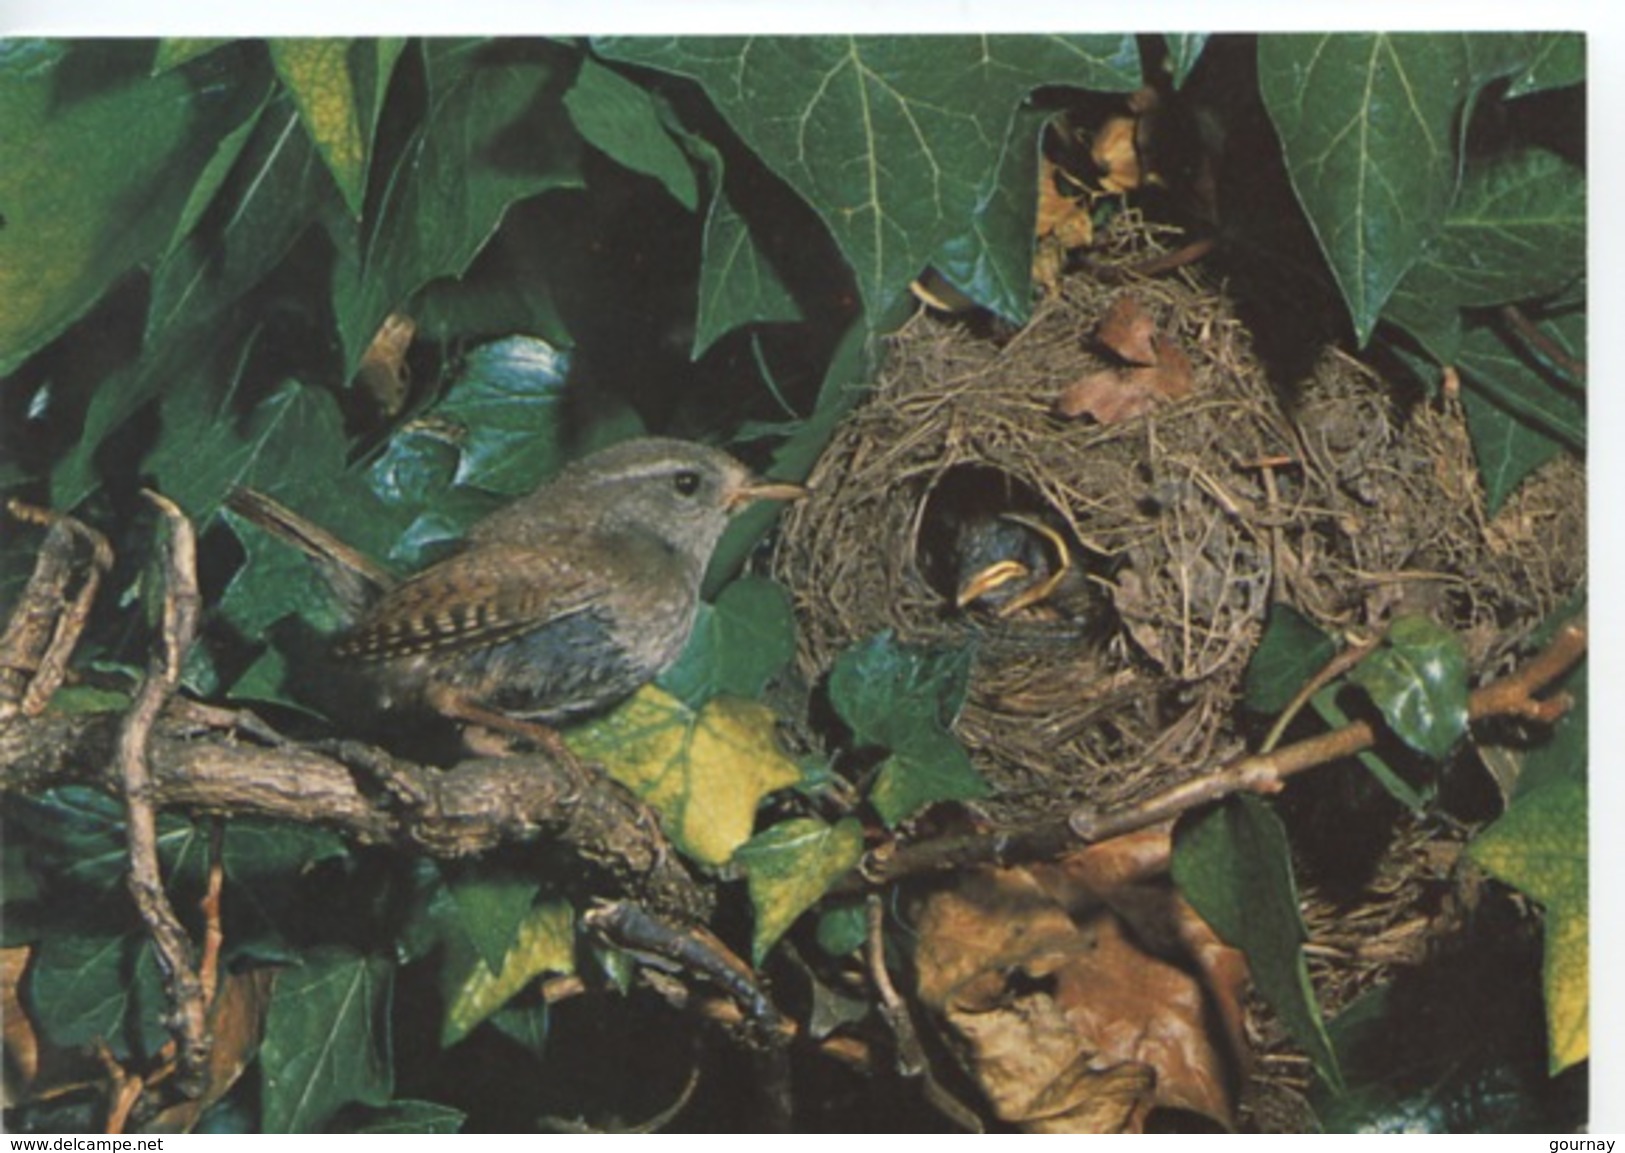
point(1128, 331)
point(383, 374)
point(1064, 217)
point(1110, 395)
point(237, 1022)
point(1116, 152)
point(1065, 1021)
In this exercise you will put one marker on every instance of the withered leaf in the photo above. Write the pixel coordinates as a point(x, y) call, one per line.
point(1116, 152)
point(236, 1022)
point(1064, 217)
point(1113, 395)
point(1064, 1020)
point(1129, 331)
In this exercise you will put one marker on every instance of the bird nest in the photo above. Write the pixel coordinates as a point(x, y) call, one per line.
point(1187, 521)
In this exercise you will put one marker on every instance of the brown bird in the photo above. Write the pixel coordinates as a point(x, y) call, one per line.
point(558, 605)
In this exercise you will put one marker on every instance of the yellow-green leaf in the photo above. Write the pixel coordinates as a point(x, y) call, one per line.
point(789, 867)
point(317, 72)
point(544, 943)
point(1539, 848)
point(704, 772)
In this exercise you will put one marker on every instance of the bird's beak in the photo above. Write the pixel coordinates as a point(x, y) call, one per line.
point(754, 490)
point(993, 576)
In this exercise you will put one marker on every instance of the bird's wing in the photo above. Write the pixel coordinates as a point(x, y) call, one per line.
point(481, 597)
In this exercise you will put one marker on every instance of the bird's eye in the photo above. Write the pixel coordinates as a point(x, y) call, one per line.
point(687, 482)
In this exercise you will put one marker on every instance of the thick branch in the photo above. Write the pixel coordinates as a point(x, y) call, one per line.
point(472, 808)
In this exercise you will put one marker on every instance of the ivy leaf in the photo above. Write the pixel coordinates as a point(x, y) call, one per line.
point(1233, 866)
point(97, 162)
point(704, 771)
point(543, 943)
point(339, 87)
point(1539, 848)
point(1517, 231)
point(173, 51)
point(621, 119)
point(1418, 678)
point(89, 987)
point(1416, 800)
point(738, 285)
point(738, 644)
point(1366, 122)
point(905, 700)
point(1500, 368)
point(1292, 650)
point(789, 867)
point(1506, 448)
point(413, 1117)
point(496, 133)
point(327, 1039)
point(492, 903)
point(892, 140)
point(506, 403)
point(1557, 61)
point(1184, 50)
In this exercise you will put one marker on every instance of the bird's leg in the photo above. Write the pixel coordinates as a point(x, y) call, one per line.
point(456, 705)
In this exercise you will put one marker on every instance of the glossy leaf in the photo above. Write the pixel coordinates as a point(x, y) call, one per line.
point(1418, 678)
point(339, 85)
point(413, 1117)
point(1292, 650)
point(789, 867)
point(1366, 121)
point(1415, 799)
point(544, 943)
point(327, 1039)
point(1233, 866)
point(704, 771)
point(738, 644)
point(505, 408)
point(1498, 365)
point(1539, 847)
point(1506, 448)
point(892, 140)
point(496, 133)
point(96, 165)
point(1184, 50)
point(622, 120)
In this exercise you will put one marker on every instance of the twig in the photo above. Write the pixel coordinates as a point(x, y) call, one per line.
point(696, 950)
point(48, 619)
point(124, 1089)
point(1334, 668)
point(911, 1060)
point(1548, 349)
point(1513, 695)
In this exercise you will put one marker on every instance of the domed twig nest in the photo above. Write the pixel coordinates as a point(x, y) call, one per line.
point(1180, 525)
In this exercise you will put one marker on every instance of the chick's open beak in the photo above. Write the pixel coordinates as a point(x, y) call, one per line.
point(753, 490)
point(994, 576)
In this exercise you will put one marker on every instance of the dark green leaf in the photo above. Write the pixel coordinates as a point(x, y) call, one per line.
point(892, 140)
point(738, 644)
point(413, 1117)
point(327, 1040)
point(1233, 866)
point(96, 165)
point(1418, 678)
point(890, 694)
point(491, 902)
point(1292, 650)
point(1562, 755)
point(1415, 799)
point(528, 1025)
point(1558, 60)
point(1516, 232)
point(1184, 50)
point(926, 771)
point(843, 928)
point(213, 176)
point(175, 51)
point(789, 867)
point(1494, 362)
point(506, 403)
point(1367, 125)
point(85, 988)
point(737, 284)
point(1506, 448)
point(496, 133)
point(621, 119)
point(992, 261)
